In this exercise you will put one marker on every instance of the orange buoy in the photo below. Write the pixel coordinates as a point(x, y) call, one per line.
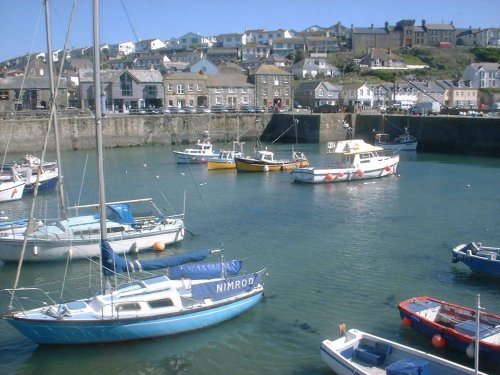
point(329, 177)
point(159, 246)
point(438, 341)
point(387, 168)
point(359, 173)
point(406, 322)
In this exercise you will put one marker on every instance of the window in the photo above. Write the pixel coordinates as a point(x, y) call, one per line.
point(170, 87)
point(190, 87)
point(218, 90)
point(130, 306)
point(166, 302)
point(151, 91)
point(321, 92)
point(198, 87)
point(126, 85)
point(264, 79)
point(276, 81)
point(180, 89)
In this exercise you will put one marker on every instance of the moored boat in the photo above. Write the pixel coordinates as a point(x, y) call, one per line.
point(225, 159)
point(454, 325)
point(405, 141)
point(31, 167)
point(188, 297)
point(358, 352)
point(78, 237)
point(347, 161)
point(263, 161)
point(479, 258)
point(200, 154)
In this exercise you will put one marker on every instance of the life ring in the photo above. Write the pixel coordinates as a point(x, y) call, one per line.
point(331, 144)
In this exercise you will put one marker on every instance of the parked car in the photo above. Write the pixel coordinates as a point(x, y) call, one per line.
point(163, 110)
point(219, 108)
point(137, 111)
point(202, 109)
point(247, 109)
point(189, 110)
point(177, 110)
point(327, 108)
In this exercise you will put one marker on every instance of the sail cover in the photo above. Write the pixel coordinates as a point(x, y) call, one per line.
point(113, 263)
point(226, 288)
point(205, 270)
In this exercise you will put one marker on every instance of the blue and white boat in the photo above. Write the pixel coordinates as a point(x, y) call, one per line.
point(31, 167)
point(186, 298)
point(362, 353)
point(202, 152)
point(479, 258)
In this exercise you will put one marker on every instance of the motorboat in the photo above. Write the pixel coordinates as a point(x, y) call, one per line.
point(479, 258)
point(11, 184)
point(201, 153)
point(349, 160)
point(453, 325)
point(264, 161)
point(358, 352)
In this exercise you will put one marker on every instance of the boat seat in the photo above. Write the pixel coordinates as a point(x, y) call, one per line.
point(368, 355)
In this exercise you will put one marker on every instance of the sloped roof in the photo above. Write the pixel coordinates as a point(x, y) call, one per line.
point(29, 83)
point(228, 80)
point(266, 69)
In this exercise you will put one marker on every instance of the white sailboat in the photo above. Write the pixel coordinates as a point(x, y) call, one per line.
point(186, 298)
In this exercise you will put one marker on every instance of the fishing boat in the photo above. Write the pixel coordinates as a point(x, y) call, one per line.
point(77, 237)
point(264, 161)
point(139, 308)
point(201, 153)
point(11, 184)
point(349, 160)
point(453, 325)
point(403, 142)
point(358, 352)
point(225, 159)
point(479, 258)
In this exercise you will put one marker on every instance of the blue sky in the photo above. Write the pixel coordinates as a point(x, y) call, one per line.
point(22, 22)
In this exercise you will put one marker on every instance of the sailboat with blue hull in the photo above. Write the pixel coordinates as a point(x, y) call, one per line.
point(160, 305)
point(187, 297)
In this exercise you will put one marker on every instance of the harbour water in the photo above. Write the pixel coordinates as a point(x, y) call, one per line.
point(335, 253)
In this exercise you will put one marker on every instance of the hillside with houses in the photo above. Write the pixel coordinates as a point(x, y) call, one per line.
point(336, 67)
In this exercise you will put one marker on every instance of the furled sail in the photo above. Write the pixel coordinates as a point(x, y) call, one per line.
point(113, 263)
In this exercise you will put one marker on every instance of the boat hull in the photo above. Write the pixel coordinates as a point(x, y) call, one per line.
point(457, 335)
point(485, 261)
point(362, 353)
point(11, 190)
point(403, 146)
point(48, 249)
point(331, 175)
point(67, 332)
point(252, 165)
point(184, 158)
point(221, 164)
point(49, 184)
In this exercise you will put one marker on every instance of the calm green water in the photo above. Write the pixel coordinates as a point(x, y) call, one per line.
point(338, 253)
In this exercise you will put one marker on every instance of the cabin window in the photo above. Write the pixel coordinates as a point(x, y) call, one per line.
point(166, 302)
point(129, 306)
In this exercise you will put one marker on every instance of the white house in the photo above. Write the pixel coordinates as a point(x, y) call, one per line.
point(359, 94)
point(313, 68)
point(149, 45)
point(121, 49)
point(262, 36)
point(233, 40)
point(483, 75)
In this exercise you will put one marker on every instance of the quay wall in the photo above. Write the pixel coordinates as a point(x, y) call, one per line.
point(440, 134)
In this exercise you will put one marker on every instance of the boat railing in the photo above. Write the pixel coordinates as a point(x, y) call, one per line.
point(23, 298)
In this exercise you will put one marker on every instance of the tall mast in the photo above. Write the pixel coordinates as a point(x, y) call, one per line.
point(98, 118)
point(53, 110)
